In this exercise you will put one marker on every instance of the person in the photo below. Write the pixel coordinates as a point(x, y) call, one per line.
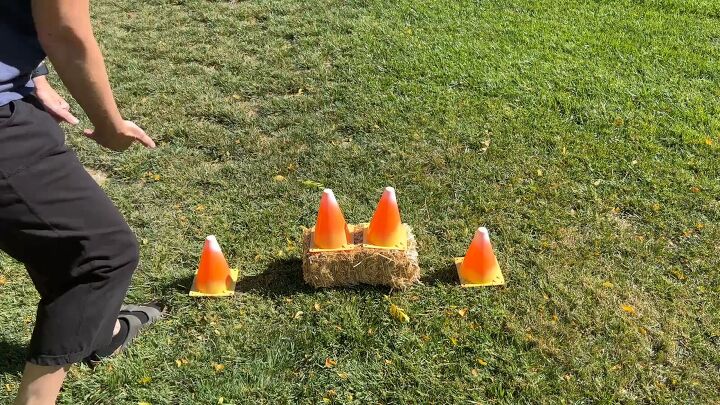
point(77, 248)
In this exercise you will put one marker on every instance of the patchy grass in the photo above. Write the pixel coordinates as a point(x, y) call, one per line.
point(585, 135)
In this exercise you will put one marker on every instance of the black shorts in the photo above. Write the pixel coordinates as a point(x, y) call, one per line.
point(76, 246)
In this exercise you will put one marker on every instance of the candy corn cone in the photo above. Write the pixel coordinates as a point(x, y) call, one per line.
point(386, 228)
point(214, 277)
point(479, 267)
point(331, 230)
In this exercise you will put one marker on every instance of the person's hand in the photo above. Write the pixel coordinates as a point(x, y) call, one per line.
point(54, 104)
point(119, 137)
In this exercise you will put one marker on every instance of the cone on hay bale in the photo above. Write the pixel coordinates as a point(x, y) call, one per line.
point(386, 230)
point(331, 230)
point(479, 267)
point(394, 265)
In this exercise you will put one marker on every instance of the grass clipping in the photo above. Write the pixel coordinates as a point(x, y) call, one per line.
point(361, 264)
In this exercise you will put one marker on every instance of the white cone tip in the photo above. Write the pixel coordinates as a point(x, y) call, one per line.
point(213, 243)
point(482, 231)
point(391, 191)
point(328, 192)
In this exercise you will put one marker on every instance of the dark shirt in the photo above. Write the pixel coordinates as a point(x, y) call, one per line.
point(20, 50)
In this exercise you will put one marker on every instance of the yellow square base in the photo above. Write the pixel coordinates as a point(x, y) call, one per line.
point(401, 246)
point(345, 248)
point(497, 280)
point(227, 293)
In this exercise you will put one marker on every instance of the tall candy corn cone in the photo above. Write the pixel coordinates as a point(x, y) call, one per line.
point(213, 277)
point(386, 228)
point(480, 266)
point(331, 230)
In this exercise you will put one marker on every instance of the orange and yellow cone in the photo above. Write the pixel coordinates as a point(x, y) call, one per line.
point(386, 229)
point(331, 229)
point(479, 267)
point(214, 278)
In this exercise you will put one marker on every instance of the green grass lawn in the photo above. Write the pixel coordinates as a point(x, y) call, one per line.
point(584, 134)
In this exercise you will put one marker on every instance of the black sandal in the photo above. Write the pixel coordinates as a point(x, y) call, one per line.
point(128, 313)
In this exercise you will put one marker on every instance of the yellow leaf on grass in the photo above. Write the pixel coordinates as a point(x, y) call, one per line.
point(3, 280)
point(453, 340)
point(145, 380)
point(279, 178)
point(398, 313)
point(144, 403)
point(695, 189)
point(311, 184)
point(462, 312)
point(607, 284)
point(678, 274)
point(474, 372)
point(628, 308)
point(221, 400)
point(298, 315)
point(482, 362)
point(343, 375)
point(219, 368)
point(316, 307)
point(330, 363)
point(708, 141)
point(182, 362)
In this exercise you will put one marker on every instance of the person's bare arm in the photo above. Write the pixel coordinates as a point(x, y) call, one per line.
point(66, 35)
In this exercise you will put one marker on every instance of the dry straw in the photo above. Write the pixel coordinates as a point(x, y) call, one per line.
point(361, 264)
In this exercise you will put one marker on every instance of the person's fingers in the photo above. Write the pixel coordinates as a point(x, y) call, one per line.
point(145, 140)
point(65, 115)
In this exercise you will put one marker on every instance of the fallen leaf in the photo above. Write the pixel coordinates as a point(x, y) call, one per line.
point(298, 315)
point(219, 368)
point(708, 141)
point(279, 178)
point(474, 372)
point(343, 375)
point(695, 189)
point(618, 122)
point(200, 208)
point(482, 362)
point(678, 274)
point(316, 307)
point(388, 362)
point(312, 184)
point(221, 400)
point(607, 284)
point(462, 312)
point(181, 362)
point(453, 340)
point(398, 313)
point(628, 308)
point(145, 380)
point(3, 280)
point(330, 363)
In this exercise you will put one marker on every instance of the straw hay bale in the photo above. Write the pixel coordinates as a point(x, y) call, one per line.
point(361, 264)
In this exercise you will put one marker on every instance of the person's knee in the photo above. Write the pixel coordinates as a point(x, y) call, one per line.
point(113, 254)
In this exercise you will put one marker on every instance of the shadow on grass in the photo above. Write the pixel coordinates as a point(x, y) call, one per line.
point(445, 275)
point(281, 278)
point(12, 357)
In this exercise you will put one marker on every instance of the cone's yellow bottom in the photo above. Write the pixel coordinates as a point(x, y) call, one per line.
point(475, 278)
point(215, 288)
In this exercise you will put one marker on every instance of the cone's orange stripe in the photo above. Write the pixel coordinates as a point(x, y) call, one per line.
point(386, 228)
point(331, 230)
point(213, 276)
point(480, 264)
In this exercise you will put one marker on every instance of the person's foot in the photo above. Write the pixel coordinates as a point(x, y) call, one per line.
point(132, 318)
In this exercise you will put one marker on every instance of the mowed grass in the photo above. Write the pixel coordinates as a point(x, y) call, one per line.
point(583, 134)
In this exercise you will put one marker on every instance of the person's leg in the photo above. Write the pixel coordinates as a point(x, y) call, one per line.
point(40, 384)
point(77, 248)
